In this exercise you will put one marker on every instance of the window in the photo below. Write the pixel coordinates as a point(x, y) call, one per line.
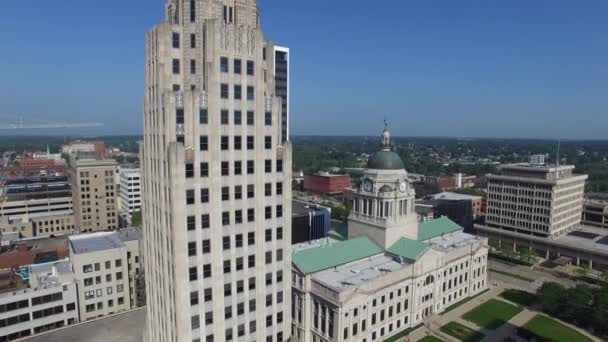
point(204, 195)
point(203, 143)
point(224, 64)
point(268, 235)
point(238, 168)
point(192, 66)
point(250, 215)
point(175, 40)
point(225, 218)
point(250, 167)
point(208, 295)
point(268, 189)
point(189, 170)
point(192, 13)
point(225, 193)
point(225, 169)
point(268, 142)
point(250, 191)
point(238, 142)
point(206, 246)
point(238, 117)
point(207, 271)
point(120, 288)
point(203, 116)
point(87, 268)
point(279, 188)
point(237, 92)
point(204, 169)
point(192, 41)
point(193, 274)
point(227, 290)
point(238, 240)
point(279, 233)
point(268, 166)
point(251, 261)
point(238, 192)
point(195, 322)
point(250, 142)
point(226, 266)
point(251, 238)
point(268, 278)
point(226, 242)
point(279, 255)
point(224, 117)
point(268, 212)
point(237, 66)
point(252, 305)
point(194, 298)
point(224, 142)
point(250, 68)
point(208, 319)
point(250, 93)
point(205, 221)
point(191, 248)
point(250, 119)
point(268, 119)
point(268, 257)
point(179, 116)
point(279, 211)
point(176, 66)
point(189, 196)
point(224, 90)
point(118, 275)
point(239, 266)
point(268, 300)
point(279, 165)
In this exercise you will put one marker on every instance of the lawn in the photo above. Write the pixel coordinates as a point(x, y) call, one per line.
point(457, 304)
point(492, 314)
point(430, 338)
point(461, 332)
point(519, 297)
point(545, 329)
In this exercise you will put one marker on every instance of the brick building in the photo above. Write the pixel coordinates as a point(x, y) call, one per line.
point(326, 183)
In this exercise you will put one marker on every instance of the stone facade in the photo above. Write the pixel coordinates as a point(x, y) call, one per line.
point(216, 171)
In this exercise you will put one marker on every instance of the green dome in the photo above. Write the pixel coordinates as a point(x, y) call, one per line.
point(385, 160)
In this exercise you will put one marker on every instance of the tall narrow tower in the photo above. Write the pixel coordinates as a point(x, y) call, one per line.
point(216, 178)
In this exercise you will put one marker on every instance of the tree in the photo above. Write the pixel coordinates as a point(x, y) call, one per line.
point(551, 296)
point(577, 305)
point(136, 219)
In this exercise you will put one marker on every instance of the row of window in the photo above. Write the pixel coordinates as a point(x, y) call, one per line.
point(97, 266)
point(237, 142)
point(89, 281)
point(238, 168)
point(237, 117)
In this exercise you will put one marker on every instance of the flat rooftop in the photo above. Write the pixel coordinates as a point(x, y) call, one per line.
point(590, 238)
point(452, 196)
point(358, 272)
point(95, 242)
point(124, 327)
point(299, 208)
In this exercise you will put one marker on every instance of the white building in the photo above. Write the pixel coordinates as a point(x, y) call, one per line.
point(216, 168)
point(130, 192)
point(102, 272)
point(391, 272)
point(45, 300)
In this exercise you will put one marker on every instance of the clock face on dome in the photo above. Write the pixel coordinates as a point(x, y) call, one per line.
point(368, 185)
point(403, 186)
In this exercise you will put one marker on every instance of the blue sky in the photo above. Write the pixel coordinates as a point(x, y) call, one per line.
point(515, 68)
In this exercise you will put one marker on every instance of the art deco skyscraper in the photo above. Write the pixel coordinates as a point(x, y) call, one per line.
point(216, 163)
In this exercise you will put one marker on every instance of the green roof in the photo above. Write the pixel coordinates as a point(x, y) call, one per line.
point(327, 256)
point(437, 227)
point(408, 249)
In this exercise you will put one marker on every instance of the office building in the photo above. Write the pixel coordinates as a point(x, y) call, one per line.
point(37, 299)
point(216, 170)
point(595, 210)
point(539, 207)
point(36, 205)
point(130, 192)
point(535, 199)
point(104, 268)
point(77, 146)
point(460, 208)
point(391, 273)
point(327, 183)
point(93, 191)
point(309, 222)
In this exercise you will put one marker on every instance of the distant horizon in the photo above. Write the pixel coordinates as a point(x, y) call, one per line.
point(94, 136)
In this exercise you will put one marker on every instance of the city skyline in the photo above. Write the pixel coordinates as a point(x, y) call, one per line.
point(466, 70)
